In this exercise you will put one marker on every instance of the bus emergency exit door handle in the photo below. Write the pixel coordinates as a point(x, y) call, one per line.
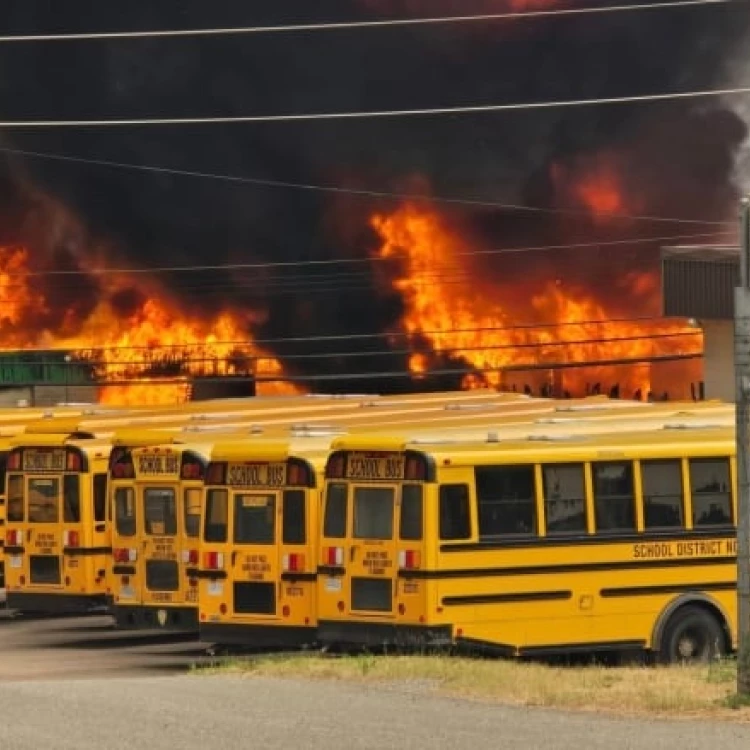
point(352, 553)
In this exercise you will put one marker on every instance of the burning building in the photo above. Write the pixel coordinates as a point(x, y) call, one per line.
point(516, 249)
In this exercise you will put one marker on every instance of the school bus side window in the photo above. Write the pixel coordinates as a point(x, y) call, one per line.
point(334, 523)
point(614, 497)
point(505, 495)
point(125, 511)
point(215, 529)
point(565, 498)
point(455, 514)
point(15, 498)
point(662, 494)
point(710, 488)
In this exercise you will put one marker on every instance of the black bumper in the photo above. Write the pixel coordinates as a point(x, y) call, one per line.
point(257, 636)
point(139, 617)
point(56, 603)
point(331, 632)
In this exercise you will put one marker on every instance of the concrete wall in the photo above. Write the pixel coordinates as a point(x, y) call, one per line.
point(718, 358)
point(48, 395)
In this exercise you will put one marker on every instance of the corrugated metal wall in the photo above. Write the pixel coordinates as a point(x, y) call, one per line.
point(698, 288)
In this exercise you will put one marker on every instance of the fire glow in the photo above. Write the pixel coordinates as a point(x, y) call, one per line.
point(455, 315)
point(156, 342)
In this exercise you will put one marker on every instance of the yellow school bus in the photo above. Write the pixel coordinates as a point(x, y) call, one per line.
point(258, 546)
point(243, 562)
point(157, 493)
point(4, 449)
point(533, 547)
point(56, 535)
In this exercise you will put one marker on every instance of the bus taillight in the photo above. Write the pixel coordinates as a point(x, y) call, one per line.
point(73, 461)
point(213, 560)
point(13, 538)
point(71, 539)
point(190, 557)
point(293, 563)
point(334, 555)
point(124, 555)
point(408, 559)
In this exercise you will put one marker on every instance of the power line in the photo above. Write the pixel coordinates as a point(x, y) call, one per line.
point(351, 25)
point(442, 372)
point(375, 114)
point(460, 351)
point(378, 335)
point(342, 261)
point(416, 197)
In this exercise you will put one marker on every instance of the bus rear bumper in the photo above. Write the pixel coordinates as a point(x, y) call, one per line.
point(257, 636)
point(141, 617)
point(24, 601)
point(331, 632)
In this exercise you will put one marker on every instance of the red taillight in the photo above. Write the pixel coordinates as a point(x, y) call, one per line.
point(216, 473)
point(72, 461)
point(409, 559)
point(71, 539)
point(335, 466)
point(13, 538)
point(294, 563)
point(334, 555)
point(123, 470)
point(124, 555)
point(193, 557)
point(213, 560)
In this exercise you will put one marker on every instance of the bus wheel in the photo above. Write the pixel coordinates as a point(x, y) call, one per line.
point(692, 636)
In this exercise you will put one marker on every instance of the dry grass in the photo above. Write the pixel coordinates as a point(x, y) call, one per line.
point(677, 692)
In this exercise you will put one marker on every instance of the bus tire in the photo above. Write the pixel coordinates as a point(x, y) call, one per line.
point(693, 635)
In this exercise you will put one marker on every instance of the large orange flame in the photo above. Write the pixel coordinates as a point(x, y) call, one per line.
point(157, 342)
point(452, 309)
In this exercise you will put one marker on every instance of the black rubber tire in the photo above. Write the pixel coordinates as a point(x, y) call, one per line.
point(692, 636)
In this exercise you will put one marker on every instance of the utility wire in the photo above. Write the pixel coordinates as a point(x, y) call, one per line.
point(375, 114)
point(653, 319)
point(260, 182)
point(433, 350)
point(351, 25)
point(343, 261)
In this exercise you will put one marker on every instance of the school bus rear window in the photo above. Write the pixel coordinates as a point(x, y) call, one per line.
point(15, 498)
point(44, 500)
point(125, 511)
point(293, 517)
point(410, 522)
point(334, 524)
point(373, 512)
point(71, 498)
point(215, 529)
point(160, 511)
point(254, 518)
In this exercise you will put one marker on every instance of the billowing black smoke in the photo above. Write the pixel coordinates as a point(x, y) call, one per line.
point(674, 158)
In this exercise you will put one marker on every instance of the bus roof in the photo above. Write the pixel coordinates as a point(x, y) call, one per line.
point(719, 441)
point(271, 450)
